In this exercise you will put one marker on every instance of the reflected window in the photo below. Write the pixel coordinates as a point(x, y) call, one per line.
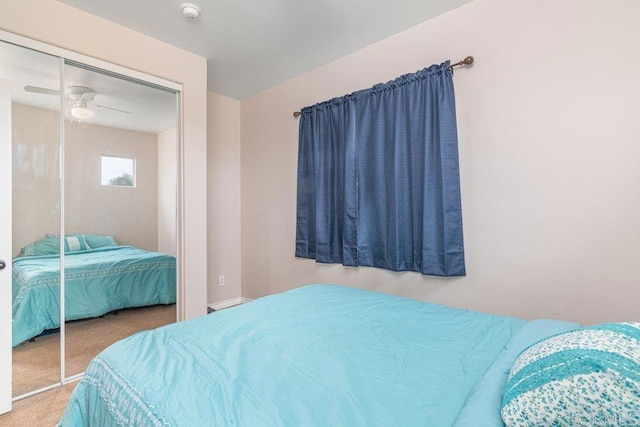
point(118, 171)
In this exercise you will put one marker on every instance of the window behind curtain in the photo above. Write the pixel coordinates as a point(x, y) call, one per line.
point(378, 177)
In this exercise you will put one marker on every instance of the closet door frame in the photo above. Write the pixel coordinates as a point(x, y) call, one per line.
point(5, 243)
point(67, 55)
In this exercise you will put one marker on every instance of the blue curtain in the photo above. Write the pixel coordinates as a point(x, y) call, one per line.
point(378, 177)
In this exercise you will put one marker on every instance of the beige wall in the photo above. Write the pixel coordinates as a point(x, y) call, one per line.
point(58, 24)
point(35, 134)
point(548, 135)
point(224, 197)
point(129, 214)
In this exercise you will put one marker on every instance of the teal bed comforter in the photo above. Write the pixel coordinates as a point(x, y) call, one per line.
point(320, 355)
point(97, 281)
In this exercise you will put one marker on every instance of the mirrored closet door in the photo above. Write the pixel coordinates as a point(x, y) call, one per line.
point(36, 187)
point(94, 212)
point(119, 211)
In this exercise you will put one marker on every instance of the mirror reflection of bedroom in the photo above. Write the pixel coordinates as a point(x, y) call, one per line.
point(112, 160)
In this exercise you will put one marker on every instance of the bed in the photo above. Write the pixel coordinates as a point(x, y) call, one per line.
point(97, 281)
point(319, 355)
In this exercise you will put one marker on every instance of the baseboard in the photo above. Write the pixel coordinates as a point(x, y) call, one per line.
point(228, 303)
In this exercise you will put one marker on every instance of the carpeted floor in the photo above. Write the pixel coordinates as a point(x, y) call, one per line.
point(40, 410)
point(36, 364)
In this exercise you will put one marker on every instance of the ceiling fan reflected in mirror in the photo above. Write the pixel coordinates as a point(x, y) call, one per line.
point(82, 98)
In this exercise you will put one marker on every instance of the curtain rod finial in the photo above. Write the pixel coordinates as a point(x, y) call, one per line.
point(468, 60)
point(297, 114)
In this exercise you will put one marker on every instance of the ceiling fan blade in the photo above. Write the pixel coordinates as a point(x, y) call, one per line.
point(41, 90)
point(111, 108)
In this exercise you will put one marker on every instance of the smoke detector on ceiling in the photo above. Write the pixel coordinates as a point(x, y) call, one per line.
point(190, 10)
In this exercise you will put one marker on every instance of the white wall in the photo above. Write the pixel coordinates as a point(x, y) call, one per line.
point(58, 24)
point(549, 151)
point(167, 150)
point(224, 197)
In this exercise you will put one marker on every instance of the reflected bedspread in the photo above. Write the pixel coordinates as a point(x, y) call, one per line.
point(97, 281)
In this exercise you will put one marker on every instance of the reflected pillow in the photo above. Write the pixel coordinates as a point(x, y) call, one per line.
point(100, 241)
point(51, 246)
point(589, 376)
point(75, 243)
point(93, 240)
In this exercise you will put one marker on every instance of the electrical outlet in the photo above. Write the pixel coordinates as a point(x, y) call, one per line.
point(220, 280)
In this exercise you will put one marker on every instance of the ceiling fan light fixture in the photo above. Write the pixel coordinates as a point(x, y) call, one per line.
point(82, 113)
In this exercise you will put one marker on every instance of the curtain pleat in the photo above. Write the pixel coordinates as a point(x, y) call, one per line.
point(378, 177)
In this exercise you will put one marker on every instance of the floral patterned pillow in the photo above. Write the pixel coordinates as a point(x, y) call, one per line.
point(589, 376)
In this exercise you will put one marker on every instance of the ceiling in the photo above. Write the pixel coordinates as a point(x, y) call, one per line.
point(143, 108)
point(254, 45)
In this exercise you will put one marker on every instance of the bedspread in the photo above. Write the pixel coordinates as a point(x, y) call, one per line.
point(319, 355)
point(97, 281)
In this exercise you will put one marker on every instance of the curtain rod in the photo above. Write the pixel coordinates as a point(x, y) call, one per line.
point(466, 61)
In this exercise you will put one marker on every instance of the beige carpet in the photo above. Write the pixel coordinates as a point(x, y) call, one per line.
point(40, 410)
point(37, 364)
